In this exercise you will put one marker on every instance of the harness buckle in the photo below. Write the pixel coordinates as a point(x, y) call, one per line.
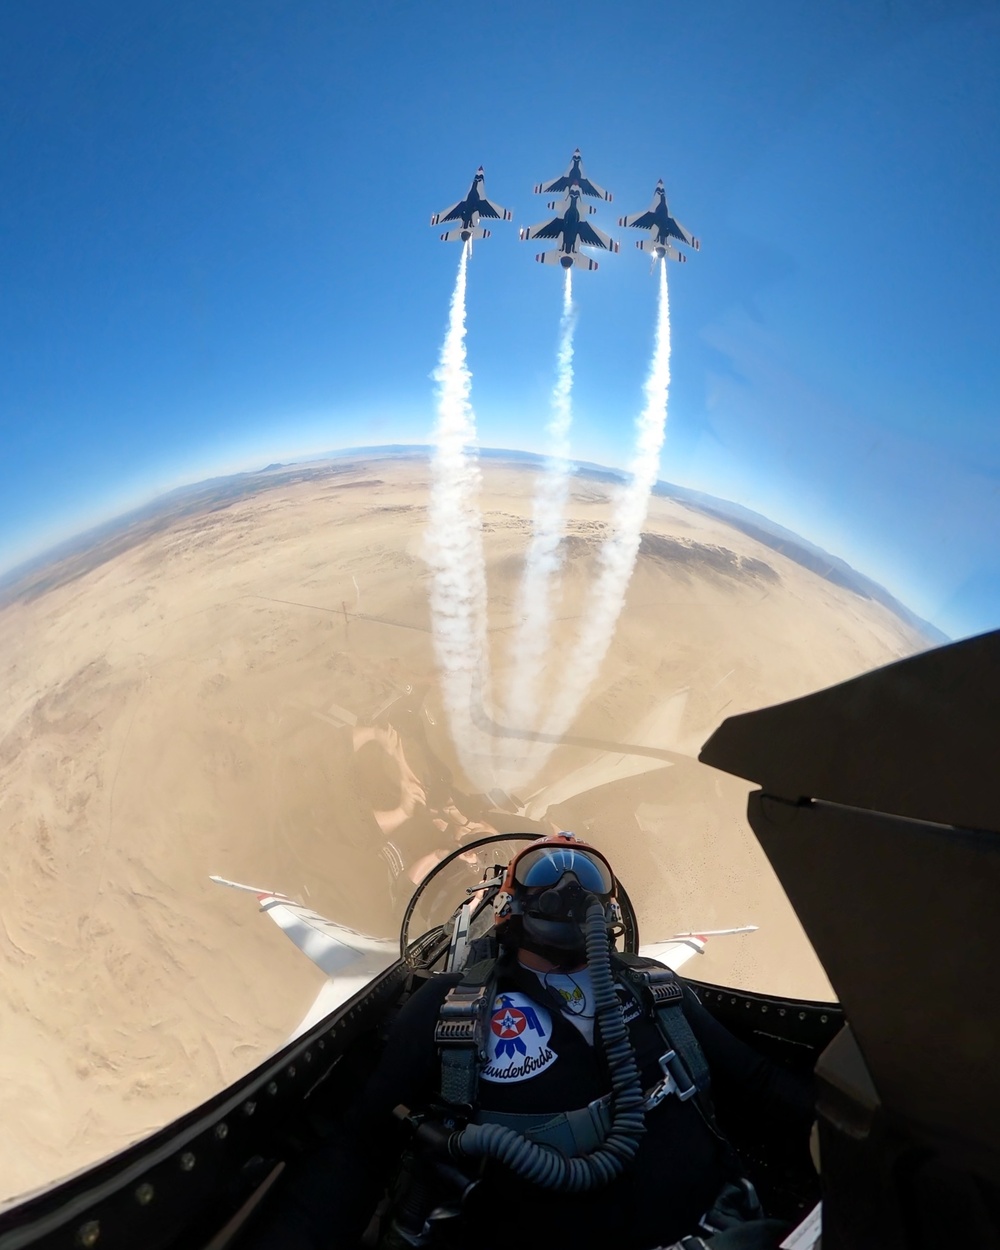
point(460, 1020)
point(675, 1081)
point(664, 987)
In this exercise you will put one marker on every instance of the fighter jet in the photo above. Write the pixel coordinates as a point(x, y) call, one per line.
point(574, 177)
point(573, 232)
point(469, 211)
point(662, 228)
point(906, 1102)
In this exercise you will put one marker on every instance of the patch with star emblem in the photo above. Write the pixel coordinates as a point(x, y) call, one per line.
point(518, 1042)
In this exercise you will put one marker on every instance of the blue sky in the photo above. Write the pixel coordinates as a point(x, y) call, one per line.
point(216, 252)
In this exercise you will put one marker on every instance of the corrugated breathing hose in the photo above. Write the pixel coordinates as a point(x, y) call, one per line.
point(542, 1165)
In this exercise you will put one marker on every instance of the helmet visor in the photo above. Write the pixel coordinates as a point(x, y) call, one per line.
point(544, 867)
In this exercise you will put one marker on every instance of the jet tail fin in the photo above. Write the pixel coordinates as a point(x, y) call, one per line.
point(461, 235)
point(661, 251)
point(576, 259)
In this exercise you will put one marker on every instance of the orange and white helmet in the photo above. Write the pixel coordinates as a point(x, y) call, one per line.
point(543, 864)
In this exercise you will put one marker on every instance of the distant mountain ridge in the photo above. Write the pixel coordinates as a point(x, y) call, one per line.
point(767, 532)
point(93, 547)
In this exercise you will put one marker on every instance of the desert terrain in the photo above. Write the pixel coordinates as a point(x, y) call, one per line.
point(247, 686)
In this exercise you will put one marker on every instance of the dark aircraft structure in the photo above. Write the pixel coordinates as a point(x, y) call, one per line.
point(573, 232)
point(662, 228)
point(877, 804)
point(573, 177)
point(468, 212)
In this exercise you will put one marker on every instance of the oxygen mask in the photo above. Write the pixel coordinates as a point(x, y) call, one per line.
point(546, 893)
point(553, 918)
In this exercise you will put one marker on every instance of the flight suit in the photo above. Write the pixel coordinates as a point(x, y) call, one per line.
point(540, 1063)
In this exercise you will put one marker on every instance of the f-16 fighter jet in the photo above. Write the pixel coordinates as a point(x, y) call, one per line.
point(469, 211)
point(662, 228)
point(574, 177)
point(573, 232)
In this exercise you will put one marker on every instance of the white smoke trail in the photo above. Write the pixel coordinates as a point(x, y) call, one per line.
point(454, 544)
point(533, 615)
point(618, 553)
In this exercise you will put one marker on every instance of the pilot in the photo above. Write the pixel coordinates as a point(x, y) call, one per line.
point(556, 1091)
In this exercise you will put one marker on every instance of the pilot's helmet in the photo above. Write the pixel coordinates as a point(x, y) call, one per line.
point(542, 902)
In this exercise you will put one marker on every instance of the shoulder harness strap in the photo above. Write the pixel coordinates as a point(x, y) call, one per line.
point(460, 1033)
point(660, 991)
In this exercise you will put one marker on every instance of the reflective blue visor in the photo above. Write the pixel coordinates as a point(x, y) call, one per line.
point(544, 866)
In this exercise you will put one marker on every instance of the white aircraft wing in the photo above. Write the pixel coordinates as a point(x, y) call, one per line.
point(334, 948)
point(545, 230)
point(573, 177)
point(676, 951)
point(448, 214)
point(488, 209)
point(590, 236)
point(641, 221)
point(682, 232)
point(591, 188)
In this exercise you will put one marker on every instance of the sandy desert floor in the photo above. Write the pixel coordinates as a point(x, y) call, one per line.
point(243, 691)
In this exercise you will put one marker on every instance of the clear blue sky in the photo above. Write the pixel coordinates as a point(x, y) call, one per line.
point(214, 251)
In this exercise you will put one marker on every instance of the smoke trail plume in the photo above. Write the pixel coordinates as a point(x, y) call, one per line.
point(618, 553)
point(454, 543)
point(533, 619)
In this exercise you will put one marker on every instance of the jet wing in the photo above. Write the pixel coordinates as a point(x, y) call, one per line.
point(641, 221)
point(589, 236)
point(449, 214)
point(676, 951)
point(676, 231)
point(333, 948)
point(494, 211)
point(591, 188)
point(574, 176)
point(546, 230)
point(565, 182)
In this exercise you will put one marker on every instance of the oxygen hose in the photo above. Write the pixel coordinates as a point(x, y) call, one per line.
point(543, 1166)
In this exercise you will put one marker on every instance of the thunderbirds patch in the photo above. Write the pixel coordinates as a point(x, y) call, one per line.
point(518, 1042)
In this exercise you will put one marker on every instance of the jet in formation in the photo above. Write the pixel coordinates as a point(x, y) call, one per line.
point(573, 177)
point(573, 232)
point(468, 212)
point(662, 228)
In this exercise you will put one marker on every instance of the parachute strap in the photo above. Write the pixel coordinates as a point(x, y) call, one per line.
point(661, 992)
point(460, 1033)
